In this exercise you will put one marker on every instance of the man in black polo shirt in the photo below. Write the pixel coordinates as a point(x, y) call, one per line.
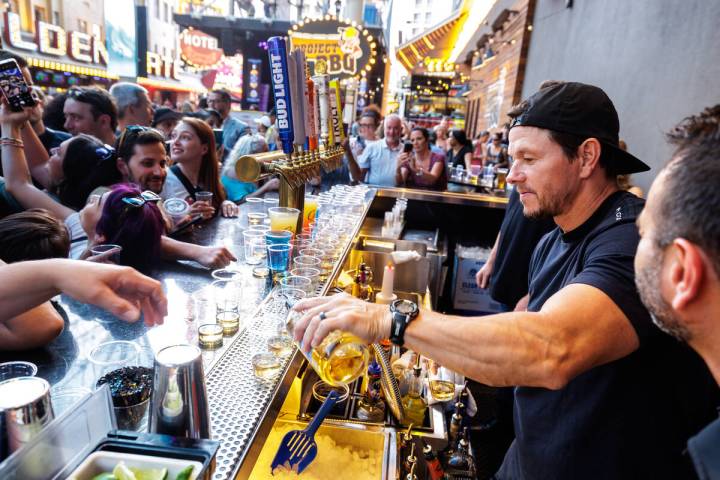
point(601, 393)
point(678, 258)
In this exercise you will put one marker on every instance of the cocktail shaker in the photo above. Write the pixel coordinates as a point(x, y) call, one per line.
point(179, 404)
point(25, 409)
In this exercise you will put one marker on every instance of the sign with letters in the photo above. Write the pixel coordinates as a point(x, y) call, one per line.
point(345, 49)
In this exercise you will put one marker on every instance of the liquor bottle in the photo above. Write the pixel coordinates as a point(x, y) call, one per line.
point(370, 406)
point(455, 428)
point(433, 463)
point(413, 403)
point(340, 359)
point(460, 459)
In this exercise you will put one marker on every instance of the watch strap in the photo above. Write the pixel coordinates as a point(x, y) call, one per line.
point(399, 323)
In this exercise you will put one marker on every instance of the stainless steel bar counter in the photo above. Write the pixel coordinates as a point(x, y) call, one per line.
point(242, 407)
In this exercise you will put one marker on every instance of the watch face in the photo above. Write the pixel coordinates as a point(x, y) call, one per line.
point(405, 307)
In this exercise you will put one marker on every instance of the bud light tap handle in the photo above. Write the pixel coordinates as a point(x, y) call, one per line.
point(277, 54)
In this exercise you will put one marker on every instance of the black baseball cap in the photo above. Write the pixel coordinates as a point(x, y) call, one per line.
point(582, 110)
point(163, 113)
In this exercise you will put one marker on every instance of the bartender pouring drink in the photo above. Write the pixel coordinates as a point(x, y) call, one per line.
point(600, 392)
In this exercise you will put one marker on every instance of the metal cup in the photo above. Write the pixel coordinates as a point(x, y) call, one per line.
point(25, 408)
point(179, 403)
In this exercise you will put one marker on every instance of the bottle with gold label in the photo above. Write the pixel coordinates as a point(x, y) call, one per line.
point(413, 403)
point(339, 359)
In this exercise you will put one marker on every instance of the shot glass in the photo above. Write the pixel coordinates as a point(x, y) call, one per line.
point(260, 228)
point(16, 369)
point(265, 365)
point(256, 218)
point(204, 197)
point(110, 252)
point(308, 272)
point(302, 261)
point(279, 237)
point(256, 205)
point(279, 258)
point(294, 281)
point(227, 296)
point(270, 203)
point(254, 247)
point(210, 336)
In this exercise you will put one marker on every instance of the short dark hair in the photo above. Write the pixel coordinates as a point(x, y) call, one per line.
point(125, 145)
point(368, 113)
point(224, 94)
point(34, 234)
point(5, 55)
point(567, 141)
point(423, 131)
point(460, 136)
point(688, 206)
point(88, 164)
point(53, 116)
point(100, 101)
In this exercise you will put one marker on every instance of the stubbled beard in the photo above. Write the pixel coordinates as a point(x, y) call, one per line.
point(647, 282)
point(546, 208)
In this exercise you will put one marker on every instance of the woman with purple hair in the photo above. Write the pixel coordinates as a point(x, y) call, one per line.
point(123, 216)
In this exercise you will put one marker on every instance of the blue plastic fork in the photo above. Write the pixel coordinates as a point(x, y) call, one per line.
point(298, 448)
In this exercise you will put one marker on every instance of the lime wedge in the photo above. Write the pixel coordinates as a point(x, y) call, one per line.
point(122, 472)
point(105, 476)
point(150, 473)
point(185, 473)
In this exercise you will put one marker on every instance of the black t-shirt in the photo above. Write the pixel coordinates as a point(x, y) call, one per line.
point(518, 237)
point(704, 450)
point(459, 159)
point(628, 419)
point(52, 138)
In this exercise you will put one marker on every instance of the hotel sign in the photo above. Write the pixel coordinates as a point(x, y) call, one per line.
point(198, 49)
point(56, 41)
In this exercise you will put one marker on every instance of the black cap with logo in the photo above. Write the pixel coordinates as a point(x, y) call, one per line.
point(582, 110)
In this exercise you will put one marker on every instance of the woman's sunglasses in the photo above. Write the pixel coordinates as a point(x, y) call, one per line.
point(141, 199)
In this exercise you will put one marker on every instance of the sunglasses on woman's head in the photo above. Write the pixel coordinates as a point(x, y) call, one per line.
point(141, 199)
point(106, 152)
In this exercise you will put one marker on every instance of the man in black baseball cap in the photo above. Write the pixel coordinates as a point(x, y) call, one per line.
point(600, 393)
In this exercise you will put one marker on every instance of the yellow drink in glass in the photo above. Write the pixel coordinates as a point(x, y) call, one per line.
point(282, 218)
point(310, 210)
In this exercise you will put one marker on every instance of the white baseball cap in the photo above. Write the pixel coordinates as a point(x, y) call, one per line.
point(264, 121)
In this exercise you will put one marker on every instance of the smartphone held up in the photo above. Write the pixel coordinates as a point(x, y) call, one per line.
point(14, 87)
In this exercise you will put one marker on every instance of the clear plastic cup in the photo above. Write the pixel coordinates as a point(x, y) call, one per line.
point(296, 282)
point(17, 369)
point(110, 356)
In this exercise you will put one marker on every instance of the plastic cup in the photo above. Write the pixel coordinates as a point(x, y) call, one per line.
point(279, 258)
point(294, 281)
point(279, 237)
point(17, 369)
point(256, 205)
point(302, 261)
point(256, 218)
point(310, 209)
point(270, 203)
point(204, 197)
point(308, 272)
point(283, 218)
point(254, 247)
point(111, 356)
point(227, 295)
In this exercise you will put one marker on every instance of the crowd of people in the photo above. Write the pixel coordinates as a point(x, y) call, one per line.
point(586, 270)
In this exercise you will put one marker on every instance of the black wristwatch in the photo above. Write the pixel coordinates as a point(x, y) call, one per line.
point(403, 312)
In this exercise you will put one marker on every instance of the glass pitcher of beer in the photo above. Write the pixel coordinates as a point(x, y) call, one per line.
point(339, 359)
